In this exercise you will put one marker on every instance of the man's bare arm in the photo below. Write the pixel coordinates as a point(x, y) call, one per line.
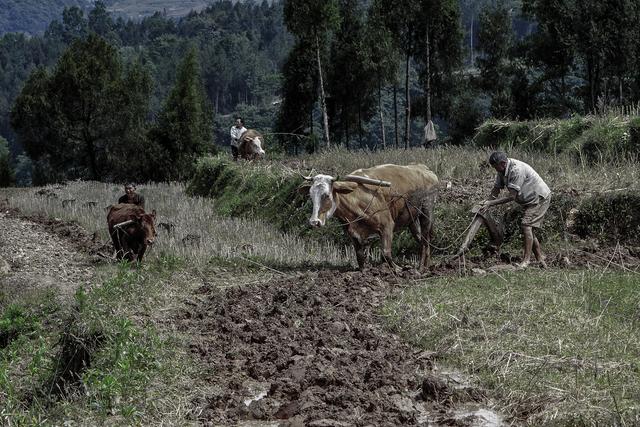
point(506, 199)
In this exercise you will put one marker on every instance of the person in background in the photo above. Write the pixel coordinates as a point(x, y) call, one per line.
point(236, 132)
point(525, 187)
point(131, 196)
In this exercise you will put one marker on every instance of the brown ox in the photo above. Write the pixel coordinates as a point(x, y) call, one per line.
point(131, 230)
point(251, 145)
point(376, 202)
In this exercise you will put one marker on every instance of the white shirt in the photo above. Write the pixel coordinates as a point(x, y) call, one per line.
point(522, 178)
point(236, 133)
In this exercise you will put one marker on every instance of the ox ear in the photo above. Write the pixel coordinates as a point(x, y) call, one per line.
point(304, 188)
point(344, 187)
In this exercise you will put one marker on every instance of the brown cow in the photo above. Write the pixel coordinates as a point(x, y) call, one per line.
point(131, 230)
point(378, 201)
point(251, 145)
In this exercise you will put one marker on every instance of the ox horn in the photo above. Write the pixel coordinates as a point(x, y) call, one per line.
point(366, 180)
point(306, 178)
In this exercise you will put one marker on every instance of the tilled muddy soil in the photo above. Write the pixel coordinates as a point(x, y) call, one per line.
point(310, 350)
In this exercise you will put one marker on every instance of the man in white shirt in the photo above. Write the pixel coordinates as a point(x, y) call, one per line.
point(236, 132)
point(526, 188)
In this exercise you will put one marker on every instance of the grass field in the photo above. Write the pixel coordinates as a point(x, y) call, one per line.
point(556, 347)
point(551, 347)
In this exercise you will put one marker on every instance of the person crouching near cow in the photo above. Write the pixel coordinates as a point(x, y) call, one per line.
point(131, 197)
point(528, 189)
point(236, 132)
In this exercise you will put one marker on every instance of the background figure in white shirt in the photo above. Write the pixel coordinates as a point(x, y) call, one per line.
point(526, 188)
point(236, 132)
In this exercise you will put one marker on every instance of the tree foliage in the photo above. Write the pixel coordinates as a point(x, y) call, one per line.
point(72, 120)
point(183, 131)
point(7, 174)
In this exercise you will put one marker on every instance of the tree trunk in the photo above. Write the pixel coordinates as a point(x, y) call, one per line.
point(384, 139)
point(407, 105)
point(620, 89)
point(563, 90)
point(471, 43)
point(359, 125)
point(395, 115)
point(323, 101)
point(345, 121)
point(426, 143)
point(592, 91)
point(428, 83)
point(93, 164)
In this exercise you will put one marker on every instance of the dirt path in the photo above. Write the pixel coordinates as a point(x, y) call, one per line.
point(34, 257)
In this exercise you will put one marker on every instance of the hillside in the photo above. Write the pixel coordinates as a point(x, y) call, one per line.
point(33, 16)
point(135, 9)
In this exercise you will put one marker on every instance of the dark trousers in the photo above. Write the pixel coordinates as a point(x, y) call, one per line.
point(234, 152)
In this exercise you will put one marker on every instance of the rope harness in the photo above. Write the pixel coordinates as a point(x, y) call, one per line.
point(395, 195)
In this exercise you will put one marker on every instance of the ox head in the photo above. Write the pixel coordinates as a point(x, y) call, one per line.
point(147, 225)
point(322, 191)
point(254, 147)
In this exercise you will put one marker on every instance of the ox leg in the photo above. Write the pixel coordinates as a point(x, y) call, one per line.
point(360, 249)
point(127, 250)
point(141, 251)
point(116, 242)
point(360, 254)
point(426, 229)
point(386, 237)
point(423, 242)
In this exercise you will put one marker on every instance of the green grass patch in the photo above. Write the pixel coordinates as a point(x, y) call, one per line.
point(94, 361)
point(261, 192)
point(554, 347)
point(590, 139)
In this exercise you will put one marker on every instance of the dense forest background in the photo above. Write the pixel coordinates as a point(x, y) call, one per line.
point(97, 95)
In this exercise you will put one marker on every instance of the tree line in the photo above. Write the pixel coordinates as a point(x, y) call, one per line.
point(131, 73)
point(355, 60)
point(359, 73)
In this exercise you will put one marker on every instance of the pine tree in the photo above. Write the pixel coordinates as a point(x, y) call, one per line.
point(299, 92)
point(314, 20)
point(184, 126)
point(70, 121)
point(351, 77)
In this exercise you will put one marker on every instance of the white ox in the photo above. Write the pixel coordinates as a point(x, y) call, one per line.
point(376, 202)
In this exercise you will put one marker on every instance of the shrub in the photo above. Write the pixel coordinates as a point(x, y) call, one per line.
point(634, 136)
point(567, 132)
point(611, 217)
point(7, 175)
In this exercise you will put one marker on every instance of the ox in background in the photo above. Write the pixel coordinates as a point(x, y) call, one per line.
point(251, 145)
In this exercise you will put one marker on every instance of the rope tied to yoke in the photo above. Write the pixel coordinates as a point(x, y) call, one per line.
point(395, 195)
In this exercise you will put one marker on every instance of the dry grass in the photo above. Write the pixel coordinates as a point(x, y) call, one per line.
point(198, 236)
point(468, 165)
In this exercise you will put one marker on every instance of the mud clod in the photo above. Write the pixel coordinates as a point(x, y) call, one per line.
point(318, 341)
